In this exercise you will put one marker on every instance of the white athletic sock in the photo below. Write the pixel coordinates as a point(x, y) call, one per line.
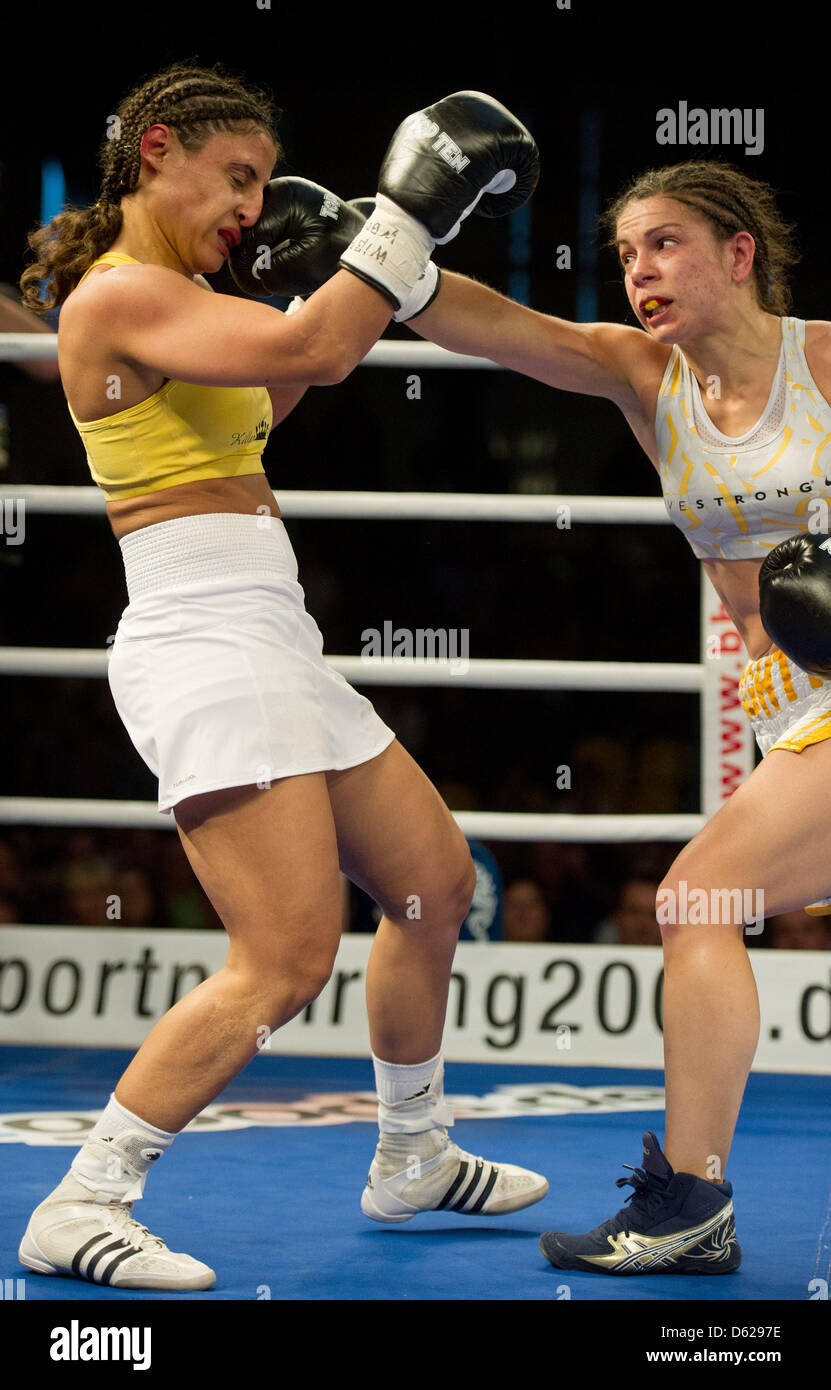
point(116, 1119)
point(136, 1146)
point(394, 1082)
point(412, 1111)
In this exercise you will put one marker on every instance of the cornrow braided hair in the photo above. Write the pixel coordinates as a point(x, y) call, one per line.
point(732, 202)
point(197, 103)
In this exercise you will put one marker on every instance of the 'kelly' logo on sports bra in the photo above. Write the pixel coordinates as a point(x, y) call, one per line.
point(259, 432)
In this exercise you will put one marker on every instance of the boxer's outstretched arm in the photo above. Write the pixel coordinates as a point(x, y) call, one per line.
point(593, 359)
point(14, 318)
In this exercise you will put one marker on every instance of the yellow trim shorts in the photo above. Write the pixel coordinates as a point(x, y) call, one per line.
point(787, 707)
point(217, 670)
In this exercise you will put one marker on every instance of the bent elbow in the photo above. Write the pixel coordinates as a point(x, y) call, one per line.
point(332, 368)
point(319, 358)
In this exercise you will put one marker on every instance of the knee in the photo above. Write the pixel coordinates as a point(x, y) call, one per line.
point(672, 905)
point(691, 911)
point(284, 983)
point(467, 889)
point(302, 983)
point(672, 900)
point(666, 908)
point(441, 899)
point(460, 886)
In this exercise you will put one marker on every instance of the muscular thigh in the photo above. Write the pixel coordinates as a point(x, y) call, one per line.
point(396, 837)
point(267, 858)
point(773, 835)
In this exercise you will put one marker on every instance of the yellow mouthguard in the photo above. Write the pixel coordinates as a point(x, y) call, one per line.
point(652, 304)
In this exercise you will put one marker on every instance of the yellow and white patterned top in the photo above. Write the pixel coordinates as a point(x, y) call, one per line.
point(735, 499)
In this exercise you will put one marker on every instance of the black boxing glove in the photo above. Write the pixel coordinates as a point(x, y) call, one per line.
point(795, 601)
point(465, 153)
point(296, 244)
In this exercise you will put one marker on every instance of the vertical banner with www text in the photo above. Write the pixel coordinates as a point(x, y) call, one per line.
point(728, 748)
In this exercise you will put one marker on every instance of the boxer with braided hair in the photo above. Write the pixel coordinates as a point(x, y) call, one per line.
point(705, 253)
point(280, 774)
point(197, 103)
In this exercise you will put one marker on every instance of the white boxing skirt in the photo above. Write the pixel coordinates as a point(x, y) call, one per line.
point(217, 670)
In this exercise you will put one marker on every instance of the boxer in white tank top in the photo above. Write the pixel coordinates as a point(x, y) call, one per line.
point(735, 499)
point(728, 395)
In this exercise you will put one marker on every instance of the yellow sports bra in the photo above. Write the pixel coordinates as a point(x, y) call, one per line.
point(179, 434)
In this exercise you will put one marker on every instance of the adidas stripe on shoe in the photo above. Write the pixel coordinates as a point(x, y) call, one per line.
point(72, 1234)
point(450, 1180)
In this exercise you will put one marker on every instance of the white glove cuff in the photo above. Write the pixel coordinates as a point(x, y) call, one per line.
point(392, 250)
point(420, 295)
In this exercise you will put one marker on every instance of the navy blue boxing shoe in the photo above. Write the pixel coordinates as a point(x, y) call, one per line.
point(675, 1223)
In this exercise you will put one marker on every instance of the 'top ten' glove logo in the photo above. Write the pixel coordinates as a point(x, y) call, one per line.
point(330, 207)
point(424, 129)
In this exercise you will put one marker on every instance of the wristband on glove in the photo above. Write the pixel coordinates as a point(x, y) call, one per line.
point(391, 252)
point(421, 296)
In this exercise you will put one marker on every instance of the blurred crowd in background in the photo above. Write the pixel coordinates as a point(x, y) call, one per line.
point(525, 893)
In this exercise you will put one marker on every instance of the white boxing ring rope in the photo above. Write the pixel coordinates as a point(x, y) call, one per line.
point(727, 750)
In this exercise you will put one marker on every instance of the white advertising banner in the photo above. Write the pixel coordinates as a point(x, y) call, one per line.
point(556, 1005)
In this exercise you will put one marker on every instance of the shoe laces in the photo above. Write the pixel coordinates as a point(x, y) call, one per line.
point(648, 1195)
point(122, 1222)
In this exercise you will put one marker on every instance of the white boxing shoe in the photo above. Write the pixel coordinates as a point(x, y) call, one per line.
point(400, 1186)
point(72, 1233)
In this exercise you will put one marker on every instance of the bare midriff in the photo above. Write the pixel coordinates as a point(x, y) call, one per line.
point(737, 584)
point(250, 494)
